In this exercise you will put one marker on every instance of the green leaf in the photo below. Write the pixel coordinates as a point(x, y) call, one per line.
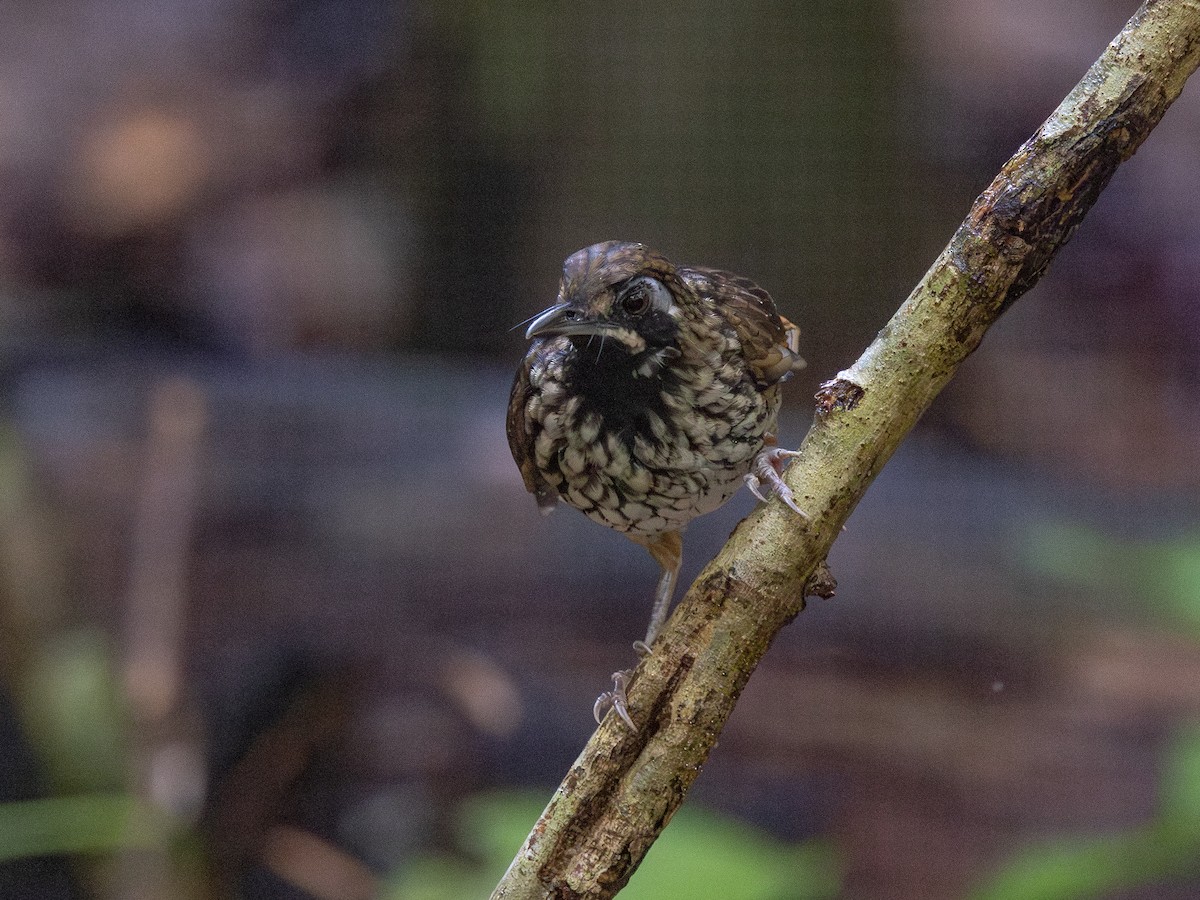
point(72, 710)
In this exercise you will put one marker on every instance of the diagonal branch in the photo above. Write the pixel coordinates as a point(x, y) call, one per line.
point(624, 787)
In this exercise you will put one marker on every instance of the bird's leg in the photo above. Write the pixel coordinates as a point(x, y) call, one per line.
point(667, 550)
point(767, 469)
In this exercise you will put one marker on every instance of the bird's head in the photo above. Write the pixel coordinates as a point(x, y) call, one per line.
point(621, 292)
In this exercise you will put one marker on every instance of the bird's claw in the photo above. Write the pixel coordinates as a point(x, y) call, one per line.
point(767, 469)
point(615, 700)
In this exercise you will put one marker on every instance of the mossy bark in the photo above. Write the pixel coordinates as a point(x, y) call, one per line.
point(625, 786)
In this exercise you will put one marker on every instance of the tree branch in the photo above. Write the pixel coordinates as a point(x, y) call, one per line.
point(624, 787)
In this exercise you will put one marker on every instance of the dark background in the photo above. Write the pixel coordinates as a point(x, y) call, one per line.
point(277, 614)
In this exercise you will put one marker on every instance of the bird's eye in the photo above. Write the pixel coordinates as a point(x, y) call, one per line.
point(642, 293)
point(636, 302)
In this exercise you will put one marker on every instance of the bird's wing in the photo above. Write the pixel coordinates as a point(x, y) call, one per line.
point(521, 439)
point(769, 341)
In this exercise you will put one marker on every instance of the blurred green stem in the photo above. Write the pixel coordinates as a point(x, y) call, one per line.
point(625, 786)
point(96, 823)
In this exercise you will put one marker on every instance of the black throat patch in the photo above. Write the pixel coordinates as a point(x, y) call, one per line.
point(608, 383)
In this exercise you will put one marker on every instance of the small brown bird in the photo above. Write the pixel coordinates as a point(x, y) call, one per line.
point(648, 397)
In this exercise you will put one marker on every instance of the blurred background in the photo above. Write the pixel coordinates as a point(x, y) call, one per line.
point(277, 618)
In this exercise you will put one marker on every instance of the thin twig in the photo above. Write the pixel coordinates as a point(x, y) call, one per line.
point(165, 762)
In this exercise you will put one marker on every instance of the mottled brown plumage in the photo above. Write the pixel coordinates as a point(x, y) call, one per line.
point(649, 395)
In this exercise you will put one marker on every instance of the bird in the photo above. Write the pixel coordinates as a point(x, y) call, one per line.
point(648, 396)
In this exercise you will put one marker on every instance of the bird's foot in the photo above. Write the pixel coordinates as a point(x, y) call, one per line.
point(767, 471)
point(615, 700)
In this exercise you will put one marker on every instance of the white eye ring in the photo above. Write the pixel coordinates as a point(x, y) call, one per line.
point(643, 293)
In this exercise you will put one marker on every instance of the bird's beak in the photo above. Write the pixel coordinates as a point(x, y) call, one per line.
point(562, 318)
